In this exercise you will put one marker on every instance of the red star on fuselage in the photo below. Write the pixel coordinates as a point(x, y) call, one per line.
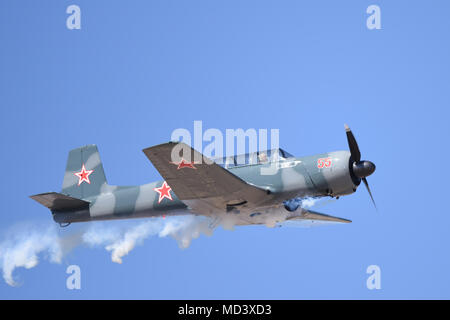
point(184, 164)
point(83, 175)
point(164, 192)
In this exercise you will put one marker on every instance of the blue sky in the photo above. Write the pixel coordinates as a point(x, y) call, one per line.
point(138, 70)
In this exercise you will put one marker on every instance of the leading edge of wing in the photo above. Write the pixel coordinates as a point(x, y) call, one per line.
point(314, 215)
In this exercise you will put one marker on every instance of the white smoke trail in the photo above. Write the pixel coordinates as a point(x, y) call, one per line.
point(309, 202)
point(120, 241)
point(185, 229)
point(23, 246)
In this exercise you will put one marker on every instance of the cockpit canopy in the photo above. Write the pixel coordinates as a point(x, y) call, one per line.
point(259, 157)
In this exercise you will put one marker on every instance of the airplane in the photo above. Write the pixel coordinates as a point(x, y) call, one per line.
point(234, 190)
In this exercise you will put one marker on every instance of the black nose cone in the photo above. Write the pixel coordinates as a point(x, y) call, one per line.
point(363, 169)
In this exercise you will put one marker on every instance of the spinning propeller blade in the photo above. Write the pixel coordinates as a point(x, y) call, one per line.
point(360, 169)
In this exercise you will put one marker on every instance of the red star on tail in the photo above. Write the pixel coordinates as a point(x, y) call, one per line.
point(83, 175)
point(164, 192)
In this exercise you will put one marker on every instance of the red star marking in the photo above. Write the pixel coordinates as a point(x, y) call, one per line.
point(83, 175)
point(184, 164)
point(164, 192)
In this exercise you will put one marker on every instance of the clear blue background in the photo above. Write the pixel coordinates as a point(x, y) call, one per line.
point(137, 70)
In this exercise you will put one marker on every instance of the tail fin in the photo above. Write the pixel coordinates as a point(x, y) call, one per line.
point(84, 175)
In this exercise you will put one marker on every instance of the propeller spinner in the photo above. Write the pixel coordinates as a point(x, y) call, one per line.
point(360, 169)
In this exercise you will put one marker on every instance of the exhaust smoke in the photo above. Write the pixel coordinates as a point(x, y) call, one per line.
point(23, 246)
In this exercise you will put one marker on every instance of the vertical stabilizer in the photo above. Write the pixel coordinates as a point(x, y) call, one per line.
point(84, 176)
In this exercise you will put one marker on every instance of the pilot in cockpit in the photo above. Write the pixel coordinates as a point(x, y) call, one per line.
point(262, 158)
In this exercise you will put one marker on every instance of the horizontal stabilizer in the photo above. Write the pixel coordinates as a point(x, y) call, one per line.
point(60, 202)
point(313, 215)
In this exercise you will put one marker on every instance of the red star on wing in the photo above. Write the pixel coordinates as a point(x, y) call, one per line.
point(164, 192)
point(83, 175)
point(184, 164)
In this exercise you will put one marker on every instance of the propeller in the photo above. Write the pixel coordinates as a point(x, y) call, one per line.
point(361, 169)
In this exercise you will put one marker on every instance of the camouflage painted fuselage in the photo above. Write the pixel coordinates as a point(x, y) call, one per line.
point(313, 176)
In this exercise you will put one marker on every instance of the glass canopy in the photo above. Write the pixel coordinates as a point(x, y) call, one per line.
point(259, 157)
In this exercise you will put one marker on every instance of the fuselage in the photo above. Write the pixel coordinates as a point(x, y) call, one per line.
point(320, 175)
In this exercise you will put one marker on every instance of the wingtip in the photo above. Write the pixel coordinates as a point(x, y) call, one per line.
point(159, 145)
point(347, 128)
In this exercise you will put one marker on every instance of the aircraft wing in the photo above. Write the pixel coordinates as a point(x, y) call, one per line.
point(203, 185)
point(313, 215)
